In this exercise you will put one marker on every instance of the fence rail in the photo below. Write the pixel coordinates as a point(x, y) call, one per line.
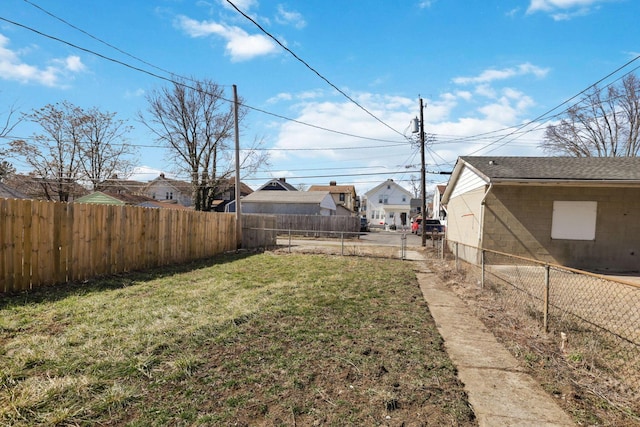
point(45, 243)
point(597, 316)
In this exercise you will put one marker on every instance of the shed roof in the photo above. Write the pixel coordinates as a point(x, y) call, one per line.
point(334, 189)
point(556, 168)
point(579, 171)
point(262, 196)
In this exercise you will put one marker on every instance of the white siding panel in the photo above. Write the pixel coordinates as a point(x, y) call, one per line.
point(468, 181)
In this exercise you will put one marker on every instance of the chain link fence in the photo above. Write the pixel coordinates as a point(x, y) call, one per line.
point(596, 317)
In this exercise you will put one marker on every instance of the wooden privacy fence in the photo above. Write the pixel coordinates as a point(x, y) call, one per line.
point(44, 243)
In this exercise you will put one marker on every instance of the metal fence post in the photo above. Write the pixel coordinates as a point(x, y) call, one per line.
point(482, 264)
point(545, 309)
point(403, 246)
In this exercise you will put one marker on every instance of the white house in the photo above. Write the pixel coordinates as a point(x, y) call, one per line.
point(439, 211)
point(388, 204)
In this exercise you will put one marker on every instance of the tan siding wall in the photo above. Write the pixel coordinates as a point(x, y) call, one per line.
point(463, 221)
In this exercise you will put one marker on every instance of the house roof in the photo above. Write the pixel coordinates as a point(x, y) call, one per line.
point(583, 171)
point(556, 168)
point(227, 184)
point(388, 182)
point(7, 192)
point(277, 184)
point(108, 198)
point(117, 185)
point(334, 189)
point(181, 186)
point(299, 197)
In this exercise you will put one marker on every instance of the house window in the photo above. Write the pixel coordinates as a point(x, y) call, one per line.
point(342, 197)
point(404, 199)
point(574, 220)
point(169, 195)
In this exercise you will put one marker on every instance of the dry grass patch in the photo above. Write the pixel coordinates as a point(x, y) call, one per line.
point(592, 394)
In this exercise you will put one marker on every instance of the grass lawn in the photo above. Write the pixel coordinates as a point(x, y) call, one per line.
point(239, 340)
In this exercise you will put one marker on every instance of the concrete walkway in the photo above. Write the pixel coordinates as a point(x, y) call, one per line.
point(499, 390)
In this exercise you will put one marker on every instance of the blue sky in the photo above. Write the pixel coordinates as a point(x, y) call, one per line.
point(480, 66)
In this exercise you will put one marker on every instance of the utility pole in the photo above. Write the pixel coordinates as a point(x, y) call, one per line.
point(237, 186)
point(423, 172)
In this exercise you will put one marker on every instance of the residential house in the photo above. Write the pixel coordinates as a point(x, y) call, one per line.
point(388, 204)
point(120, 186)
point(43, 189)
point(167, 189)
point(277, 184)
point(289, 203)
point(438, 210)
point(579, 212)
point(343, 195)
point(7, 192)
point(226, 195)
point(103, 198)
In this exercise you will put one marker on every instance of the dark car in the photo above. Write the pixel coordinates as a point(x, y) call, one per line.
point(364, 225)
point(430, 226)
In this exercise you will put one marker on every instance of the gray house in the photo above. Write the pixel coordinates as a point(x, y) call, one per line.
point(578, 212)
point(289, 203)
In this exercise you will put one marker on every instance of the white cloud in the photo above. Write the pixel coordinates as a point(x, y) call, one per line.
point(456, 119)
point(562, 10)
point(13, 68)
point(240, 45)
point(286, 17)
point(491, 75)
point(424, 4)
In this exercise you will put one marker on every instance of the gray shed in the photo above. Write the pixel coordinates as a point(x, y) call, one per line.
point(289, 203)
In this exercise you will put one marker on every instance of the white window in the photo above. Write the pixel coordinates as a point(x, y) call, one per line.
point(574, 220)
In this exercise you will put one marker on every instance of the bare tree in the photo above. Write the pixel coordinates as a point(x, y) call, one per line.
point(53, 155)
point(9, 122)
point(416, 186)
point(75, 146)
point(196, 123)
point(104, 150)
point(603, 124)
point(6, 169)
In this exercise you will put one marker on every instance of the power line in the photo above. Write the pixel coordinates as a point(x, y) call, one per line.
point(268, 34)
point(173, 81)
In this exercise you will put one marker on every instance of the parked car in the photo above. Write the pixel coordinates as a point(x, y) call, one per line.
point(430, 226)
point(364, 225)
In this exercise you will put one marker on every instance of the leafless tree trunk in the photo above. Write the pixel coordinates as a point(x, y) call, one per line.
point(603, 124)
point(195, 122)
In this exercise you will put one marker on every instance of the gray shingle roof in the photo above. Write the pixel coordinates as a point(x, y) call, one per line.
point(7, 192)
point(557, 168)
point(262, 196)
